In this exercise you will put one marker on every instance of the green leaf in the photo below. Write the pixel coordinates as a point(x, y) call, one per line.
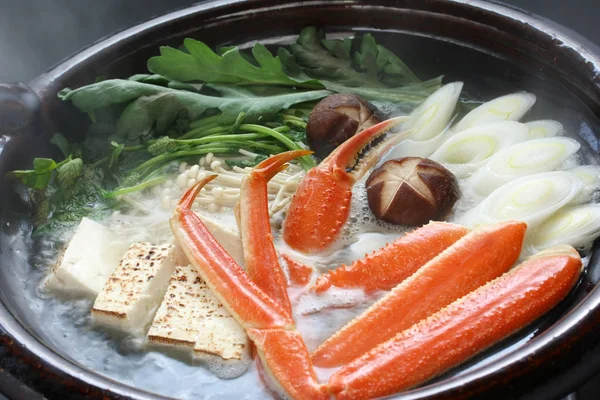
point(317, 61)
point(62, 143)
point(140, 116)
point(411, 94)
point(39, 177)
point(377, 76)
point(67, 174)
point(151, 79)
point(43, 165)
point(159, 106)
point(232, 67)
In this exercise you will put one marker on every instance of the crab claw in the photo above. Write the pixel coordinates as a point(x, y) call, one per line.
point(252, 213)
point(322, 202)
point(267, 323)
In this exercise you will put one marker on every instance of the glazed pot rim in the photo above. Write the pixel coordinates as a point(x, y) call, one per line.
point(46, 85)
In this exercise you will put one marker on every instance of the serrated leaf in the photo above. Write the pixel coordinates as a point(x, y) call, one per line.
point(201, 63)
point(318, 62)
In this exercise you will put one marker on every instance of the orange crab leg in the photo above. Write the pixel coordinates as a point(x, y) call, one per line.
point(267, 323)
point(463, 329)
point(482, 255)
point(260, 257)
point(395, 262)
point(322, 202)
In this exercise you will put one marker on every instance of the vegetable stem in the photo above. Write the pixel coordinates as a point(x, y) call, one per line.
point(202, 132)
point(306, 161)
point(136, 188)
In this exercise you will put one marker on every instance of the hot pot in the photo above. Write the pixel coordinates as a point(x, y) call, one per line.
point(492, 47)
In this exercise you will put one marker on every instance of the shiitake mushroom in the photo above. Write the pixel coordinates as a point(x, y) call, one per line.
point(411, 191)
point(337, 118)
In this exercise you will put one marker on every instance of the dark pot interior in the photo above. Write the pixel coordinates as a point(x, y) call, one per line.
point(492, 48)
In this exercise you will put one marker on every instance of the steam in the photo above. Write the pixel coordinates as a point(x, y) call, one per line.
point(35, 35)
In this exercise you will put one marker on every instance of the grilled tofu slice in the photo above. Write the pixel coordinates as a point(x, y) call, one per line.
point(86, 263)
point(135, 289)
point(191, 318)
point(227, 237)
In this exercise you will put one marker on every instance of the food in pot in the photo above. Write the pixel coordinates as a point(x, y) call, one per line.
point(227, 163)
point(134, 287)
point(191, 318)
point(411, 191)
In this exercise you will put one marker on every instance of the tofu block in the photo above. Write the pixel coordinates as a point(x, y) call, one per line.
point(227, 237)
point(133, 292)
point(191, 318)
point(86, 263)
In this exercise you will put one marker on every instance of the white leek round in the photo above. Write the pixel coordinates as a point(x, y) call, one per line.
point(577, 226)
point(589, 175)
point(428, 122)
point(506, 108)
point(521, 159)
point(414, 148)
point(433, 115)
point(531, 199)
point(544, 128)
point(466, 151)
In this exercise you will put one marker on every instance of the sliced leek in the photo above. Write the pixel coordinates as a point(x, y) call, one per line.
point(414, 148)
point(531, 199)
point(432, 116)
point(428, 122)
point(466, 151)
point(521, 159)
point(577, 226)
point(589, 175)
point(506, 108)
point(544, 128)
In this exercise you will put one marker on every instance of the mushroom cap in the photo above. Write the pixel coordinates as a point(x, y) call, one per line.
point(411, 191)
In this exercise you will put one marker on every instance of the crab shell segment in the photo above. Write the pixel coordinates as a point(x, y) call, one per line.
point(466, 327)
point(268, 324)
point(252, 212)
point(321, 205)
point(475, 259)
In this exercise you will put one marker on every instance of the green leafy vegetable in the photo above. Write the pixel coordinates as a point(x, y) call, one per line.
point(62, 143)
point(197, 101)
point(373, 72)
point(69, 172)
point(41, 174)
point(200, 63)
point(156, 105)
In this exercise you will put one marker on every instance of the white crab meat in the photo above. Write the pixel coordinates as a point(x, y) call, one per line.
point(192, 319)
point(86, 263)
point(135, 289)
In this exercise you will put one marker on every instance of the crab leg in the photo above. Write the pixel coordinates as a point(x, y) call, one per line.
point(322, 202)
point(482, 255)
point(463, 329)
point(252, 212)
point(395, 262)
point(267, 323)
